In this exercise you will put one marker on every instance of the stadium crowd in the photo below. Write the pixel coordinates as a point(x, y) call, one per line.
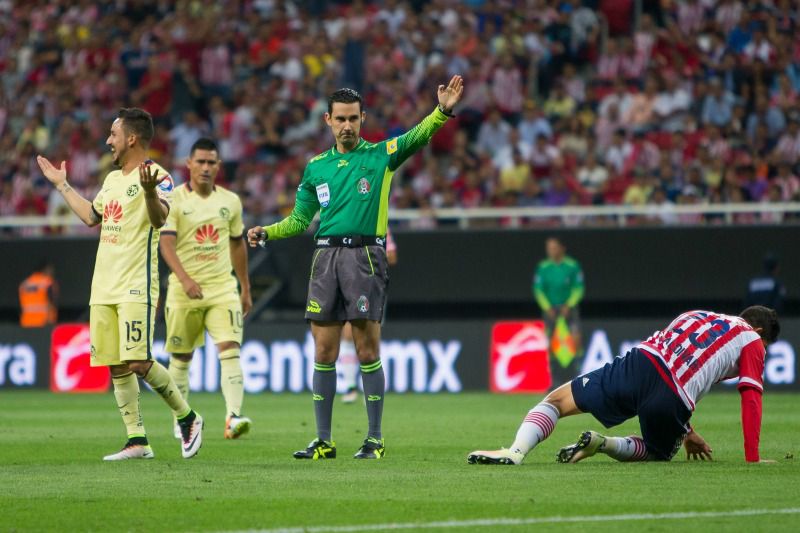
point(567, 102)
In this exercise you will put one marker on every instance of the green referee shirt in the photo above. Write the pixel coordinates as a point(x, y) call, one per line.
point(556, 284)
point(351, 191)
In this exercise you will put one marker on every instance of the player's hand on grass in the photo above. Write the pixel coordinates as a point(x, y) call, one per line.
point(450, 95)
point(697, 448)
point(54, 175)
point(254, 235)
point(247, 302)
point(192, 289)
point(148, 178)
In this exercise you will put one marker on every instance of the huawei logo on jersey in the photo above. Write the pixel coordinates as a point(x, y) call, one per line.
point(112, 211)
point(206, 233)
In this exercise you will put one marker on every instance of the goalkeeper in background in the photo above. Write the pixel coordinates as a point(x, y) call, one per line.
point(558, 289)
point(349, 185)
point(202, 243)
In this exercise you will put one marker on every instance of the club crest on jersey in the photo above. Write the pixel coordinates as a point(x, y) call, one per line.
point(167, 184)
point(224, 213)
point(362, 304)
point(323, 194)
point(132, 191)
point(342, 163)
point(363, 186)
point(391, 146)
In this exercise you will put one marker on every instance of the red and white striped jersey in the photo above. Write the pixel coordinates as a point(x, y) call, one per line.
point(701, 348)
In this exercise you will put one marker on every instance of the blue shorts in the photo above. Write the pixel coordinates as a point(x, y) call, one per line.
point(632, 386)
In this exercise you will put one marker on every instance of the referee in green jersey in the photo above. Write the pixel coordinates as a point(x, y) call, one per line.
point(349, 185)
point(558, 288)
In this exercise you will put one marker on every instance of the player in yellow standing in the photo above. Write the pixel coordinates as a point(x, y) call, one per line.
point(202, 243)
point(131, 207)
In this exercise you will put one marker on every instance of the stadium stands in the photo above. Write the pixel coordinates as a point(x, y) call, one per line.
point(567, 103)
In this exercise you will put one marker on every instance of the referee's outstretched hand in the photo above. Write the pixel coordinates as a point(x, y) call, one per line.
point(255, 236)
point(450, 95)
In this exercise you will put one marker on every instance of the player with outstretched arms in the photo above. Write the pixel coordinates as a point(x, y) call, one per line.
point(132, 205)
point(202, 243)
point(661, 380)
point(349, 185)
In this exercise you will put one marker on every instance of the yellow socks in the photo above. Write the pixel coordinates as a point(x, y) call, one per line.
point(179, 370)
point(126, 391)
point(159, 379)
point(231, 381)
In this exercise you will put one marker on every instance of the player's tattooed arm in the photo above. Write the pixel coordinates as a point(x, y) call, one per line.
point(58, 177)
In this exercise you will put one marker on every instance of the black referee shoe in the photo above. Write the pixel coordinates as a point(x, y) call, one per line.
point(371, 449)
point(317, 449)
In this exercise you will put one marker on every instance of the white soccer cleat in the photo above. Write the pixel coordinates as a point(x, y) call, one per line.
point(131, 451)
point(350, 396)
point(176, 430)
point(502, 456)
point(192, 437)
point(236, 426)
point(588, 444)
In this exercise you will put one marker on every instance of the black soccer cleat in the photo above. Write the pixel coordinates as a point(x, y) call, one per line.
point(371, 449)
point(317, 449)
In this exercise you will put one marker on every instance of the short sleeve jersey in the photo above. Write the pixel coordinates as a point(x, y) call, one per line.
point(203, 228)
point(126, 267)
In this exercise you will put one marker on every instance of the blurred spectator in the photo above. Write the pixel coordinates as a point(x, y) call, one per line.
point(710, 85)
point(38, 297)
point(766, 289)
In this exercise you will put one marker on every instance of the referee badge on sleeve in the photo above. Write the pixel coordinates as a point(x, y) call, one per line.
point(323, 194)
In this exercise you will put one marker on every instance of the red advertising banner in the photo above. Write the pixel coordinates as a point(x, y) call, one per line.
point(518, 360)
point(70, 368)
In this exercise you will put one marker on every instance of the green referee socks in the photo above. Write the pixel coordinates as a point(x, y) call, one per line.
point(374, 387)
point(324, 389)
point(160, 381)
point(126, 391)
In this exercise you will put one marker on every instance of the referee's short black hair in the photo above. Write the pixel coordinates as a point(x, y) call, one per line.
point(345, 96)
point(204, 143)
point(765, 318)
point(138, 122)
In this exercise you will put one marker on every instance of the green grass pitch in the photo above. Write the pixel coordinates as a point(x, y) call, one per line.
point(52, 477)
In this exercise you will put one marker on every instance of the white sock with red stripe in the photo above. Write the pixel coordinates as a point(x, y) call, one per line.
point(624, 448)
point(537, 426)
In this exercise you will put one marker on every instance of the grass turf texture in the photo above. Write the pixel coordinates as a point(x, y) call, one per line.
point(52, 476)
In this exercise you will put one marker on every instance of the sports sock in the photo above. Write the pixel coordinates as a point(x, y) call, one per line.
point(324, 389)
point(348, 365)
point(160, 381)
point(126, 391)
point(179, 370)
point(624, 448)
point(537, 426)
point(374, 382)
point(231, 380)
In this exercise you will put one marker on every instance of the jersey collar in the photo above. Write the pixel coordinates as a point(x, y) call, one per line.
point(361, 143)
point(189, 186)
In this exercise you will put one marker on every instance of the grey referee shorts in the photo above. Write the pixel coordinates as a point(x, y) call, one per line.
point(347, 284)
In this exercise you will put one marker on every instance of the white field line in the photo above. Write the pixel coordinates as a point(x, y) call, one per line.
point(490, 522)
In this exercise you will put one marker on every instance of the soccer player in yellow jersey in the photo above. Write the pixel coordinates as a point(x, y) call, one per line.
point(131, 207)
point(202, 242)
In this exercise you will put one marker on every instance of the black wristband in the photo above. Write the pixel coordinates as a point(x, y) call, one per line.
point(445, 113)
